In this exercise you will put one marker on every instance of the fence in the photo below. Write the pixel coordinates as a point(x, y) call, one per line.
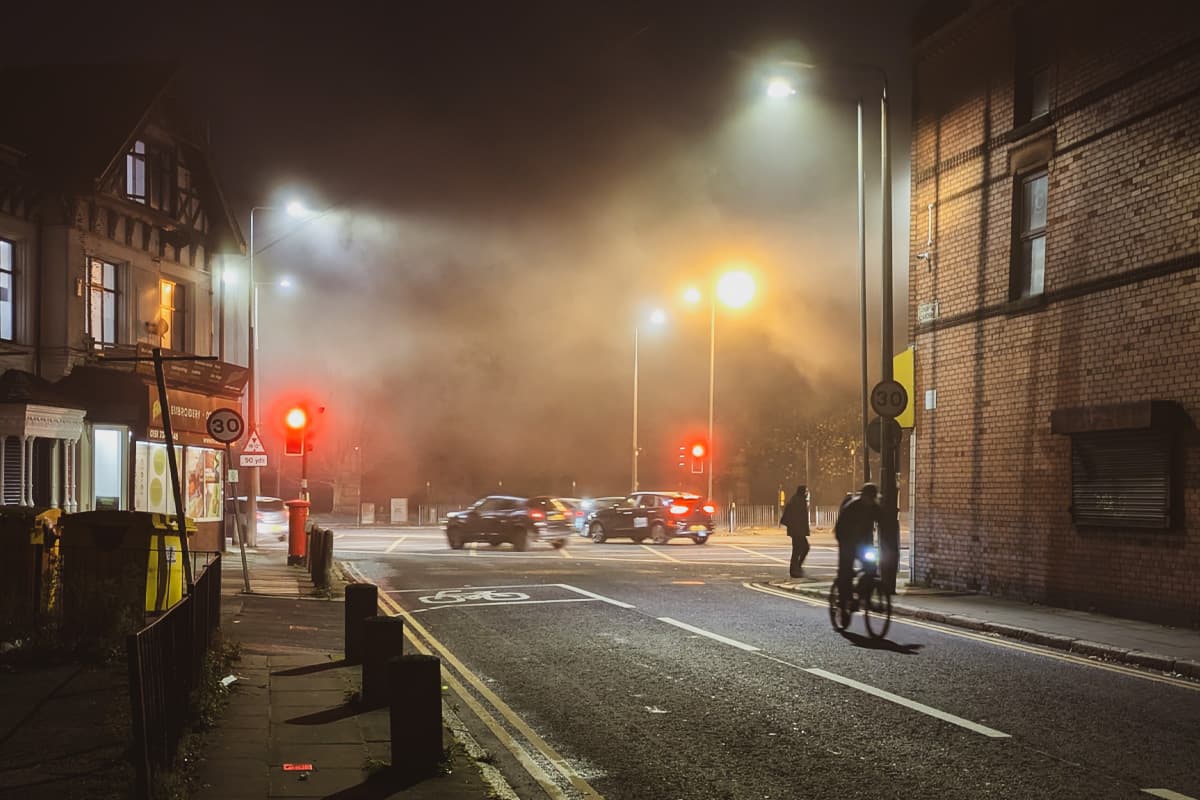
point(747, 517)
point(165, 660)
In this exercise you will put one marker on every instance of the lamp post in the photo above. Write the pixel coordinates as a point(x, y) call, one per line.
point(295, 209)
point(779, 88)
point(657, 317)
point(735, 289)
point(889, 523)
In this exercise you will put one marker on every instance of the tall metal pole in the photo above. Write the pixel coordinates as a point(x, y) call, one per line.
point(712, 363)
point(862, 291)
point(252, 400)
point(635, 408)
point(889, 521)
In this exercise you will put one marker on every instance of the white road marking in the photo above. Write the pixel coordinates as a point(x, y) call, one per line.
point(714, 636)
point(395, 544)
point(594, 596)
point(1167, 794)
point(504, 603)
point(904, 701)
point(1009, 644)
point(755, 553)
point(659, 553)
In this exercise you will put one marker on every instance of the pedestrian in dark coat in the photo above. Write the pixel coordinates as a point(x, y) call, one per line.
point(795, 519)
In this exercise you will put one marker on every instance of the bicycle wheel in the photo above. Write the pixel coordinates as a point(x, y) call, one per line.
point(877, 611)
point(838, 617)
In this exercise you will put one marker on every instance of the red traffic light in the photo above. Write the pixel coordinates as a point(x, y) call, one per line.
point(699, 450)
point(296, 418)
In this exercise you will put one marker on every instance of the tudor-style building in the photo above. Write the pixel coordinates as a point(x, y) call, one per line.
point(112, 230)
point(1056, 302)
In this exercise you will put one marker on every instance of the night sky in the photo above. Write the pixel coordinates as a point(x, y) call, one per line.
point(507, 188)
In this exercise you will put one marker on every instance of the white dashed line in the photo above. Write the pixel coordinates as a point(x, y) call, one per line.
point(714, 636)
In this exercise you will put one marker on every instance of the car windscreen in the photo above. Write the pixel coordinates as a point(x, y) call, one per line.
point(548, 503)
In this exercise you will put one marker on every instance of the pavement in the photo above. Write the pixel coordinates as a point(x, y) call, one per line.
point(292, 727)
point(1144, 644)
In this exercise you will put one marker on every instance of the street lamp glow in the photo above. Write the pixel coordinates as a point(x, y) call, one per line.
point(658, 317)
point(692, 295)
point(297, 209)
point(735, 289)
point(779, 88)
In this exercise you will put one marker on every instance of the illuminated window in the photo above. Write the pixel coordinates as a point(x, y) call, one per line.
point(102, 301)
point(172, 309)
point(7, 256)
point(1029, 263)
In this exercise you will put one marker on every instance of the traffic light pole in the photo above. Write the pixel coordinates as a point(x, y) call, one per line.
point(304, 464)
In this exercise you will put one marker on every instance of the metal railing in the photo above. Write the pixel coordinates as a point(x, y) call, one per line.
point(758, 517)
point(165, 660)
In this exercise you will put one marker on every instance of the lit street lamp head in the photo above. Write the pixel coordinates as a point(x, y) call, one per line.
point(779, 88)
point(297, 209)
point(691, 295)
point(658, 317)
point(735, 289)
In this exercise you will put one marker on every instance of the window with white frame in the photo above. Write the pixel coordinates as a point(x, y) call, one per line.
point(1029, 262)
point(7, 300)
point(103, 297)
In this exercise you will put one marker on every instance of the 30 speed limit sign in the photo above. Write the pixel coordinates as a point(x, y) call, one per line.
point(888, 399)
point(225, 425)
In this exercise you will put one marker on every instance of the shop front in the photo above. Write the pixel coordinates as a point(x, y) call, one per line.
point(124, 462)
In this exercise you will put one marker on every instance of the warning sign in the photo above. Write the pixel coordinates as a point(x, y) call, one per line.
point(254, 444)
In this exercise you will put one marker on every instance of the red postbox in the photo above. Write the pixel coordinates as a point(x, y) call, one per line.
point(297, 517)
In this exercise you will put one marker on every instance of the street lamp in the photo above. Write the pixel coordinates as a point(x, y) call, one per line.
point(658, 318)
point(889, 523)
point(735, 289)
point(294, 209)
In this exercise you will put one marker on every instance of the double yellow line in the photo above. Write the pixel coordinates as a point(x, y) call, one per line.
point(427, 644)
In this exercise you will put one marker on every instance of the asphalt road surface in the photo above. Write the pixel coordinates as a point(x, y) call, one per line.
point(637, 671)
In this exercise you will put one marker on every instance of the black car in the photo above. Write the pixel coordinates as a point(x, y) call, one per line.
point(658, 516)
point(583, 512)
point(520, 520)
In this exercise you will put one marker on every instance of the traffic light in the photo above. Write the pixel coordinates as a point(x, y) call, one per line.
point(699, 451)
point(682, 456)
point(295, 423)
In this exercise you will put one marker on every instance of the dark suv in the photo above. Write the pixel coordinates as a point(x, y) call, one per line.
point(658, 516)
point(519, 520)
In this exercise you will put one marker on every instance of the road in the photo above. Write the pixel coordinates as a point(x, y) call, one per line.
point(638, 671)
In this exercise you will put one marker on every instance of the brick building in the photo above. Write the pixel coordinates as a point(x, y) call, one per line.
point(1055, 304)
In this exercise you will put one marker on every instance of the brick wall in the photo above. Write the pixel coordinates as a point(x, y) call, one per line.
point(1120, 318)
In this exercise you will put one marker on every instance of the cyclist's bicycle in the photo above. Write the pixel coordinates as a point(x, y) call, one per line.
point(868, 597)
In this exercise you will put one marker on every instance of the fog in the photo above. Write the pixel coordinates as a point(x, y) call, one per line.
point(503, 194)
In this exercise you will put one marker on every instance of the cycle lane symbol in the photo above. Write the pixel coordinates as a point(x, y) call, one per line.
point(446, 596)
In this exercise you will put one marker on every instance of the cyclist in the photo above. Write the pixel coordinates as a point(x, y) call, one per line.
point(854, 530)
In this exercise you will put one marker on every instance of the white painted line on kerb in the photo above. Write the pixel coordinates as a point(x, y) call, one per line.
point(904, 701)
point(714, 636)
point(395, 544)
point(595, 596)
point(1167, 794)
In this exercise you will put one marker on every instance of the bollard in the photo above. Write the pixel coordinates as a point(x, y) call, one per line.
point(415, 685)
point(362, 603)
point(383, 638)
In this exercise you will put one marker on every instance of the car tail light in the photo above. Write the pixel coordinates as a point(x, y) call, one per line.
point(579, 513)
point(710, 508)
point(537, 513)
point(679, 509)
